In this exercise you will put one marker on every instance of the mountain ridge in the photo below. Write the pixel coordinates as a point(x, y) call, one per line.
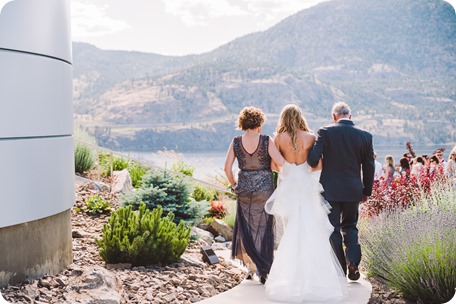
point(394, 65)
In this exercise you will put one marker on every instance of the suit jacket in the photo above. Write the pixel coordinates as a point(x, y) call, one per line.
point(348, 161)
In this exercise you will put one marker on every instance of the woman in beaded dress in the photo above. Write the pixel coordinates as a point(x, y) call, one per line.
point(253, 237)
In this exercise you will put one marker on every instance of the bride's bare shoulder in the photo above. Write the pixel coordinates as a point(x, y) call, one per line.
point(308, 138)
point(306, 134)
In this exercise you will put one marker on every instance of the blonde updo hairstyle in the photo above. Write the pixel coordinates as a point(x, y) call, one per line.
point(291, 121)
point(250, 118)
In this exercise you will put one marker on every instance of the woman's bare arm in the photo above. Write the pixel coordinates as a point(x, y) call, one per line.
point(229, 161)
point(277, 159)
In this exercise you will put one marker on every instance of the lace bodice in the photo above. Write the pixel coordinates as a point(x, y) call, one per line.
point(258, 160)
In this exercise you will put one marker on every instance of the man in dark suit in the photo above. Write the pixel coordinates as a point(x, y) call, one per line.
point(347, 178)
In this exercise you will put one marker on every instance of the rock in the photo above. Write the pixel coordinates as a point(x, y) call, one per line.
point(220, 228)
point(86, 281)
point(205, 237)
point(220, 246)
point(95, 285)
point(121, 182)
point(118, 266)
point(76, 234)
point(44, 283)
point(192, 260)
point(60, 282)
point(99, 186)
point(220, 239)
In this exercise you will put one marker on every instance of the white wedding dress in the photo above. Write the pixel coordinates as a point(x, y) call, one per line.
point(305, 268)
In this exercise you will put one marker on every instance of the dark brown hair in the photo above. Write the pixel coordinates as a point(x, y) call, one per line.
point(435, 158)
point(404, 163)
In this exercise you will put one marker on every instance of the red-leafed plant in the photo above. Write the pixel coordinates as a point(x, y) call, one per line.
point(218, 209)
point(405, 191)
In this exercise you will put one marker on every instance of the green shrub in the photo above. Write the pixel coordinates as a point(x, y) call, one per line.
point(196, 211)
point(83, 158)
point(208, 220)
point(136, 173)
point(183, 168)
point(96, 205)
point(201, 193)
point(104, 160)
point(160, 188)
point(230, 216)
point(143, 237)
point(80, 134)
point(118, 163)
point(414, 250)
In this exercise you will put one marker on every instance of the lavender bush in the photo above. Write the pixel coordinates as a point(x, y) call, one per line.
point(414, 250)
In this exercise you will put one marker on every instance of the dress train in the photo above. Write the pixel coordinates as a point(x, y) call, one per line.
point(305, 268)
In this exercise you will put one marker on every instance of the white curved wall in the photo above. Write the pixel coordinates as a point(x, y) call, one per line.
point(37, 26)
point(35, 92)
point(36, 114)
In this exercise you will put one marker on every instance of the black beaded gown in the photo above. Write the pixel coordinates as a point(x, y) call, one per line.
point(253, 229)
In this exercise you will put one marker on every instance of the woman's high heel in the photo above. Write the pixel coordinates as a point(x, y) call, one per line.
point(250, 275)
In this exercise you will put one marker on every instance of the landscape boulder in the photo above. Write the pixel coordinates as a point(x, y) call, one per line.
point(220, 228)
point(93, 285)
point(121, 182)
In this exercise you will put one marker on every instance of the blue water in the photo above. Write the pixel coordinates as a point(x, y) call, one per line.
point(210, 163)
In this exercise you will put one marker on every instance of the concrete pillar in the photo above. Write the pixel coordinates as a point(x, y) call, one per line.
point(36, 141)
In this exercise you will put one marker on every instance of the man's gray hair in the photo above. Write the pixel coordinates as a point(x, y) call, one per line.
point(341, 108)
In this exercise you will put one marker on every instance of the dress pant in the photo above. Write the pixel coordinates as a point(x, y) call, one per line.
point(344, 217)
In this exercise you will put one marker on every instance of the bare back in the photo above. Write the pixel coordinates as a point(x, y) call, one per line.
point(305, 142)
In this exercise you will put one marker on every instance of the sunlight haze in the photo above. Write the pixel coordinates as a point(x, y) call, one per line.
point(175, 27)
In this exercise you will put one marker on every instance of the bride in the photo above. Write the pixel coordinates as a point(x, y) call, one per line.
point(305, 268)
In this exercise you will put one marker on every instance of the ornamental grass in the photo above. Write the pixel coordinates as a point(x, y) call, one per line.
point(413, 249)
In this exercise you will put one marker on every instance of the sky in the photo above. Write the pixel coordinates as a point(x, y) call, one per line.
point(175, 27)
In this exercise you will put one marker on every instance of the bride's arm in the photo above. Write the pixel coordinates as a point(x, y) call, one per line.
point(309, 147)
point(316, 151)
point(318, 167)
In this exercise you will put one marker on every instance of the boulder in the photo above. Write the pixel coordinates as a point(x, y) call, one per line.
point(204, 236)
point(220, 228)
point(94, 285)
point(121, 181)
point(220, 239)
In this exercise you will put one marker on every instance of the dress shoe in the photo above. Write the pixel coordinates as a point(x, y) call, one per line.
point(353, 272)
point(263, 279)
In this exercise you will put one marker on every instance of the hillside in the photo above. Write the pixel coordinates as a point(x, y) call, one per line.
point(393, 61)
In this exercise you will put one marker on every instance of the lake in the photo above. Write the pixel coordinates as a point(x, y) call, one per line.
point(210, 163)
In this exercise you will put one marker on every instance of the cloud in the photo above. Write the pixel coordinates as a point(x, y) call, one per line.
point(88, 20)
point(200, 12)
point(273, 10)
